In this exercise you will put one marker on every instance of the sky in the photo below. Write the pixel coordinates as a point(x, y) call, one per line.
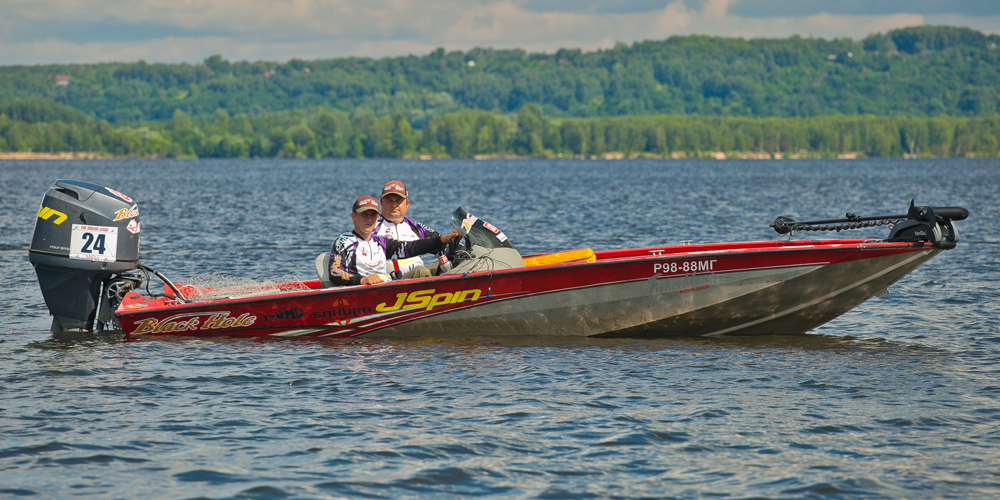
point(86, 31)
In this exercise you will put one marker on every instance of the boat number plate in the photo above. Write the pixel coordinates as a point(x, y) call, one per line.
point(688, 267)
point(98, 243)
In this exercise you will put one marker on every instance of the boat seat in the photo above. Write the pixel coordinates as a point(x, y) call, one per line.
point(578, 255)
point(323, 269)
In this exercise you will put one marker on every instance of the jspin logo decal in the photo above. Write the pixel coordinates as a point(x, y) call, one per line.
point(428, 299)
point(45, 213)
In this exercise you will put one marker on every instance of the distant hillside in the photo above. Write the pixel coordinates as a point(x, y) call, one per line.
point(918, 72)
point(41, 128)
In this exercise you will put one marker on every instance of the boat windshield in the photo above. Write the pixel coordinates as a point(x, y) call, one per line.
point(478, 231)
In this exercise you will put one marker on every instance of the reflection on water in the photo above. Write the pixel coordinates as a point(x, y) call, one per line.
point(73, 340)
point(896, 399)
point(759, 343)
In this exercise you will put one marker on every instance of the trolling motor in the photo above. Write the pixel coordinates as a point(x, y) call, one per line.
point(86, 237)
point(920, 224)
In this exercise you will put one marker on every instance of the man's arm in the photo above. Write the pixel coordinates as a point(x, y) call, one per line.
point(339, 275)
point(398, 249)
point(395, 249)
point(423, 231)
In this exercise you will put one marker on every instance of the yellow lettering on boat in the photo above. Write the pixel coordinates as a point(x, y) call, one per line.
point(399, 302)
point(439, 300)
point(418, 299)
point(427, 299)
point(461, 296)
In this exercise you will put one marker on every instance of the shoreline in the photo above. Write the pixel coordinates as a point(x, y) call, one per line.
point(66, 155)
point(613, 155)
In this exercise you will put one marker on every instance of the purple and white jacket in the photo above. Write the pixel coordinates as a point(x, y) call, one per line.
point(354, 258)
point(406, 230)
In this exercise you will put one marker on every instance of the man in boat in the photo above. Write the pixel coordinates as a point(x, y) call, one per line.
point(394, 223)
point(359, 257)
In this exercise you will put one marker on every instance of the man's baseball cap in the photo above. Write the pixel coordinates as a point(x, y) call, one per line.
point(394, 187)
point(365, 203)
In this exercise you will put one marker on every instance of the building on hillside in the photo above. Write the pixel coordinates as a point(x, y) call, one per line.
point(62, 80)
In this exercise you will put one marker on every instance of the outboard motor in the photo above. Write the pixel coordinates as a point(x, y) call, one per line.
point(84, 235)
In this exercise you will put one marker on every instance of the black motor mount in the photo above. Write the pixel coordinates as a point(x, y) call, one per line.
point(85, 235)
point(920, 224)
point(931, 224)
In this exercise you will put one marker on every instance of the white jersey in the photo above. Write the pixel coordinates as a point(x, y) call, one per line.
point(353, 258)
point(401, 231)
point(406, 230)
point(357, 256)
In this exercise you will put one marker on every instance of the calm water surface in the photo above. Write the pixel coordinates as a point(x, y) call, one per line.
point(897, 399)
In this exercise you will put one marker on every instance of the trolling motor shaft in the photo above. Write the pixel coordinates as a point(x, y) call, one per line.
point(919, 224)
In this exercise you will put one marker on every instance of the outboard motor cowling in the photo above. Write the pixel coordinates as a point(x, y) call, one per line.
point(84, 235)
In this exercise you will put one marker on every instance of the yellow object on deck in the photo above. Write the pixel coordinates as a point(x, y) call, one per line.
point(579, 255)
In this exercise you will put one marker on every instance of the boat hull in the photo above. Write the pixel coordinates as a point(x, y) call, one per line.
point(793, 306)
point(731, 289)
point(753, 302)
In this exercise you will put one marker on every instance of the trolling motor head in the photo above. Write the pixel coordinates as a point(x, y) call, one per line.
point(930, 224)
point(84, 235)
point(920, 224)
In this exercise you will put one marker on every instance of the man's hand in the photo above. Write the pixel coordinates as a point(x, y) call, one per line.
point(450, 236)
point(372, 279)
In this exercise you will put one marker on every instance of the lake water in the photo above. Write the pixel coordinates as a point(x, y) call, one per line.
point(899, 398)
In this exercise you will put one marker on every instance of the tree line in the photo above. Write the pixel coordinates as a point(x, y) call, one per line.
point(918, 72)
point(40, 125)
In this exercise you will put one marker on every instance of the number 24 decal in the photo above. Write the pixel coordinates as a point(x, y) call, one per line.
point(99, 243)
point(89, 240)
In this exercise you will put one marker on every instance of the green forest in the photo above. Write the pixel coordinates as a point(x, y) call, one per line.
point(925, 91)
point(921, 71)
point(44, 126)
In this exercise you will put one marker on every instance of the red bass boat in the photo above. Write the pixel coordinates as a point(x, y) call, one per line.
point(90, 275)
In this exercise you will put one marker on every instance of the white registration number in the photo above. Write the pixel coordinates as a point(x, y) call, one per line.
point(688, 266)
point(98, 243)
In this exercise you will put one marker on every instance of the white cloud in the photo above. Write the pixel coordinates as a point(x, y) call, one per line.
point(716, 9)
point(166, 49)
point(190, 30)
